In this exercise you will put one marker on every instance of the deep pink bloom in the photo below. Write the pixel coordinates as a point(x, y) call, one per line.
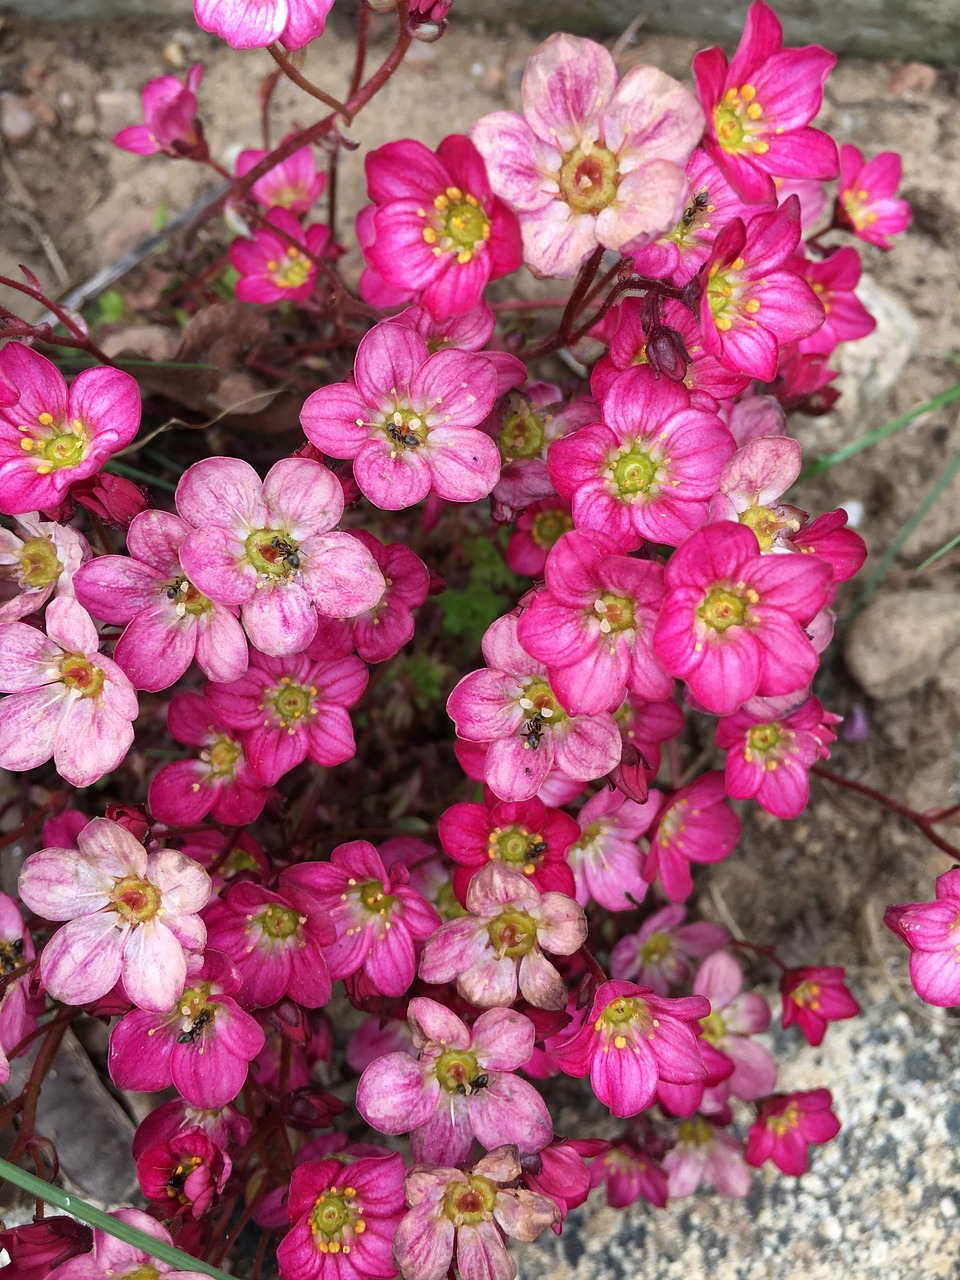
point(67, 700)
point(222, 1125)
point(735, 1015)
point(499, 946)
point(732, 621)
point(42, 557)
point(379, 919)
point(439, 232)
point(255, 26)
point(527, 836)
point(649, 469)
point(294, 184)
point(866, 200)
point(629, 1040)
point(183, 1174)
point(169, 622)
point(273, 266)
point(787, 1124)
point(271, 547)
point(381, 632)
point(605, 858)
point(770, 760)
point(291, 709)
point(170, 119)
point(408, 420)
point(814, 996)
point(630, 1173)
point(17, 1013)
point(706, 1152)
point(695, 825)
point(591, 161)
point(537, 530)
point(658, 954)
point(560, 1172)
point(36, 1249)
point(132, 916)
point(345, 1218)
point(461, 1085)
point(50, 436)
point(112, 1258)
point(759, 108)
point(834, 280)
point(829, 538)
point(203, 1047)
point(932, 932)
point(470, 1211)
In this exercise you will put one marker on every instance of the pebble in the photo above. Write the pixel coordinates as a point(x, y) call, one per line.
point(900, 640)
point(17, 121)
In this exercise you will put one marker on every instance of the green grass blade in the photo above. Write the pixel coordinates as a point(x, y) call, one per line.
point(947, 546)
point(97, 1218)
point(134, 473)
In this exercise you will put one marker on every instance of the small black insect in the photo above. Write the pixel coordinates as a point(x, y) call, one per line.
point(287, 552)
point(532, 731)
point(539, 847)
point(474, 1086)
point(403, 437)
point(199, 1022)
point(172, 592)
point(696, 205)
point(11, 953)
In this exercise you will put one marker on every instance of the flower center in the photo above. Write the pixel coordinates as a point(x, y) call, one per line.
point(622, 1019)
point(766, 524)
point(855, 203)
point(763, 738)
point(39, 563)
point(222, 756)
point(273, 554)
point(293, 703)
point(52, 446)
point(735, 120)
point(278, 922)
point(516, 846)
point(694, 1132)
point(512, 933)
point(549, 526)
point(456, 1070)
point(615, 613)
point(372, 897)
point(724, 608)
point(292, 270)
point(522, 432)
point(194, 1012)
point(469, 1202)
point(656, 948)
point(178, 1178)
point(724, 294)
point(336, 1219)
point(405, 429)
point(79, 674)
point(145, 1272)
point(693, 218)
point(135, 900)
point(634, 472)
point(588, 177)
point(188, 598)
point(783, 1123)
point(457, 224)
point(714, 1027)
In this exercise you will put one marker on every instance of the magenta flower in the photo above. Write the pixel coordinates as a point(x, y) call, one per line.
point(649, 469)
point(706, 1152)
point(630, 1173)
point(461, 1085)
point(255, 26)
point(695, 825)
point(132, 915)
point(759, 108)
point(67, 700)
point(468, 1211)
point(184, 1174)
point(218, 782)
point(538, 529)
point(42, 558)
point(439, 232)
point(591, 162)
point(732, 621)
point(170, 119)
point(51, 437)
point(735, 1015)
point(381, 632)
point(658, 954)
point(932, 932)
point(499, 947)
point(291, 709)
point(169, 622)
point(834, 280)
point(408, 420)
point(345, 1218)
point(294, 184)
point(203, 1047)
point(277, 267)
point(112, 1257)
point(605, 858)
point(511, 707)
point(629, 1041)
point(268, 547)
point(379, 919)
point(787, 1124)
point(17, 1017)
point(814, 996)
point(527, 836)
point(37, 1249)
point(866, 200)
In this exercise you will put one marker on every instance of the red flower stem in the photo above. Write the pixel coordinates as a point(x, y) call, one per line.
point(590, 960)
point(920, 820)
point(941, 815)
point(574, 304)
point(227, 849)
point(363, 32)
point(759, 950)
point(220, 1254)
point(82, 339)
point(267, 89)
point(56, 1030)
point(262, 1247)
point(6, 979)
point(301, 81)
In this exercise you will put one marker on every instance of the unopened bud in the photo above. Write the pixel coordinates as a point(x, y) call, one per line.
point(667, 353)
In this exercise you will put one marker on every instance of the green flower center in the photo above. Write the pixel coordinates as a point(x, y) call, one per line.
point(806, 996)
point(469, 1202)
point(634, 472)
point(512, 933)
point(543, 711)
point(522, 434)
point(292, 270)
point(615, 613)
point(549, 526)
point(763, 738)
point(516, 846)
point(278, 922)
point(714, 1027)
point(372, 896)
point(194, 1012)
point(735, 118)
point(789, 1120)
point(135, 900)
point(79, 674)
point(336, 1219)
point(39, 563)
point(456, 1070)
point(293, 703)
point(724, 608)
point(188, 598)
point(657, 947)
point(405, 429)
point(222, 756)
point(693, 218)
point(622, 1019)
point(694, 1132)
point(143, 1272)
point(456, 224)
point(589, 178)
point(273, 554)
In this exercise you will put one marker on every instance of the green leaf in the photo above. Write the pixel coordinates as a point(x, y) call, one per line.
point(492, 588)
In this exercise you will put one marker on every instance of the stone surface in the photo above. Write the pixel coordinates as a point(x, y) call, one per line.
point(899, 641)
point(17, 121)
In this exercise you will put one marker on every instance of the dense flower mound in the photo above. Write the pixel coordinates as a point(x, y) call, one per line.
point(361, 946)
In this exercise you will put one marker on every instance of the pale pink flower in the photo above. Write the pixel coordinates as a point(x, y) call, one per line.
point(932, 932)
point(735, 1016)
point(255, 26)
point(706, 1153)
point(658, 954)
point(112, 1257)
point(42, 558)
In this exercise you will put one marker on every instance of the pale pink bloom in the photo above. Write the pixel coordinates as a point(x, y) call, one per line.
point(499, 946)
point(408, 420)
point(866, 200)
point(270, 547)
point(16, 949)
point(529, 422)
point(67, 700)
point(735, 1016)
point(51, 437)
point(112, 1258)
point(42, 558)
point(706, 1153)
point(294, 184)
point(752, 485)
point(590, 162)
point(658, 954)
point(170, 115)
point(606, 860)
point(132, 915)
point(932, 932)
point(276, 267)
point(294, 23)
point(461, 1085)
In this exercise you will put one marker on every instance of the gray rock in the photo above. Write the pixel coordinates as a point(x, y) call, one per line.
point(900, 640)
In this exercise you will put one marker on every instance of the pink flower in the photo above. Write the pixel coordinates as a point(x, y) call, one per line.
point(932, 932)
point(732, 621)
point(203, 1047)
point(752, 485)
point(814, 996)
point(706, 1152)
point(169, 622)
point(538, 529)
point(170, 115)
point(630, 1173)
point(834, 280)
point(695, 825)
point(67, 700)
point(500, 945)
point(559, 1171)
point(17, 1016)
point(408, 420)
point(244, 26)
point(735, 1015)
point(461, 1085)
point(37, 1249)
point(345, 1218)
point(606, 859)
point(658, 954)
point(787, 1124)
point(381, 632)
point(184, 1174)
point(590, 162)
point(50, 436)
point(759, 108)
point(43, 558)
point(527, 836)
point(273, 266)
point(378, 917)
point(649, 469)
point(268, 547)
point(131, 917)
point(470, 1211)
point(631, 1039)
point(294, 184)
point(112, 1257)
point(439, 232)
point(865, 201)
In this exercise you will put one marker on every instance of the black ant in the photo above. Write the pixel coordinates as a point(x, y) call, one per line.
point(289, 554)
point(474, 1086)
point(199, 1022)
point(696, 205)
point(532, 731)
point(541, 846)
point(408, 438)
